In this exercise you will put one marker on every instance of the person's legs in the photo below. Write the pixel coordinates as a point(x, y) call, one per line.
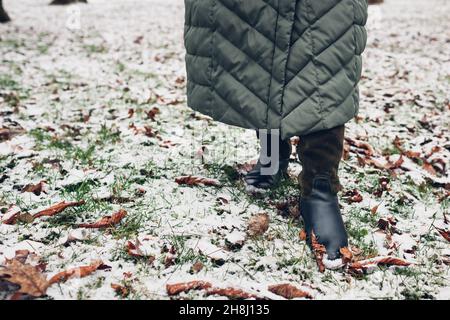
point(257, 178)
point(320, 154)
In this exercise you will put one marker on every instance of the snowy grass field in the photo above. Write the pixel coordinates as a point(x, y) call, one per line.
point(93, 113)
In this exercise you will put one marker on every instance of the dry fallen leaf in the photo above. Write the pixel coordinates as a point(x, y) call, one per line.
point(37, 189)
point(258, 224)
point(134, 250)
point(364, 147)
point(319, 251)
point(57, 208)
point(106, 222)
point(173, 289)
point(11, 215)
point(347, 255)
point(152, 113)
point(289, 291)
point(302, 235)
point(78, 272)
point(444, 233)
point(378, 261)
point(120, 290)
point(30, 279)
point(9, 133)
point(197, 267)
point(195, 181)
point(231, 293)
point(353, 196)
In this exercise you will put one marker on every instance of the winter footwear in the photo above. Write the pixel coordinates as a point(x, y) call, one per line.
point(321, 215)
point(320, 155)
point(267, 173)
point(321, 152)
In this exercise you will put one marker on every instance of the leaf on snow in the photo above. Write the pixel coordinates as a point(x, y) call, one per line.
point(30, 279)
point(302, 235)
point(174, 289)
point(107, 221)
point(289, 291)
point(378, 261)
point(347, 255)
point(195, 181)
point(57, 208)
point(231, 293)
point(444, 233)
point(78, 272)
point(11, 215)
point(120, 290)
point(134, 250)
point(37, 189)
point(258, 224)
point(319, 251)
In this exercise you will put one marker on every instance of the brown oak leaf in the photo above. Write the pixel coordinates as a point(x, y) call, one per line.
point(319, 251)
point(174, 289)
point(289, 291)
point(347, 255)
point(30, 279)
point(37, 189)
point(231, 293)
point(57, 208)
point(196, 181)
point(107, 221)
point(78, 272)
point(258, 224)
point(378, 261)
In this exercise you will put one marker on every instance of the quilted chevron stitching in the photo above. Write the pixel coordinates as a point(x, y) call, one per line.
point(242, 51)
point(317, 87)
point(247, 23)
point(241, 83)
point(322, 51)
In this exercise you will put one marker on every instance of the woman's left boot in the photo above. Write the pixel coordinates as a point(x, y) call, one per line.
point(320, 154)
point(272, 164)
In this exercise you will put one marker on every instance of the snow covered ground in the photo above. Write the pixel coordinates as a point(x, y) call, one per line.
point(92, 103)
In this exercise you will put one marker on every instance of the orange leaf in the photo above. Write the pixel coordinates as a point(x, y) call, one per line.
point(78, 272)
point(173, 289)
point(195, 181)
point(106, 222)
point(374, 209)
point(302, 235)
point(57, 208)
point(319, 251)
point(429, 168)
point(378, 261)
point(289, 291)
point(347, 255)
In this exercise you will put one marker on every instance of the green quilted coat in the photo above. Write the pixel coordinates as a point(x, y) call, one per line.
point(292, 65)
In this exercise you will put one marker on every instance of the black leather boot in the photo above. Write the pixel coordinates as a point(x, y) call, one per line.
point(320, 155)
point(266, 173)
point(321, 215)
